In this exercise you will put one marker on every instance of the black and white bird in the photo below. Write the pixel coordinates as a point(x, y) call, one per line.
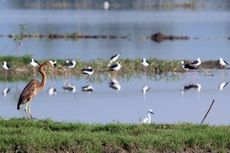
point(222, 85)
point(5, 66)
point(196, 86)
point(196, 63)
point(87, 88)
point(5, 91)
point(69, 87)
point(187, 66)
point(114, 84)
point(114, 58)
point(33, 62)
point(70, 64)
point(88, 71)
point(52, 91)
point(53, 62)
point(145, 89)
point(115, 67)
point(148, 119)
point(223, 63)
point(144, 62)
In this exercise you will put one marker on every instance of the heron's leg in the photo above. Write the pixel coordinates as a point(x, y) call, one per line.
point(29, 111)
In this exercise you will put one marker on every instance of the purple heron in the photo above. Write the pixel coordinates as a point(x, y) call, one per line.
point(32, 89)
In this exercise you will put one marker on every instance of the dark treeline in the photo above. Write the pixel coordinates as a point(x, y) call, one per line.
point(117, 4)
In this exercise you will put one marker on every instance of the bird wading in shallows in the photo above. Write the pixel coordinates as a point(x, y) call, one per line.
point(32, 89)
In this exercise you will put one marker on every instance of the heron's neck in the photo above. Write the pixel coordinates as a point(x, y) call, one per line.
point(43, 82)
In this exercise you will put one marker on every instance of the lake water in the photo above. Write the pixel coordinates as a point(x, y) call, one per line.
point(209, 32)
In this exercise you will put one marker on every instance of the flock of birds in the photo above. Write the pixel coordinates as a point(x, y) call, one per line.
point(33, 87)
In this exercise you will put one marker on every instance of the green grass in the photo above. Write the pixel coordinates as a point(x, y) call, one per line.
point(48, 136)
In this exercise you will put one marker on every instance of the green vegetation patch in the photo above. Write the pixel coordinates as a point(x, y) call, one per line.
point(48, 136)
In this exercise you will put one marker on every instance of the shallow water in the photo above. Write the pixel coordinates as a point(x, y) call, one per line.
point(128, 105)
point(211, 28)
point(209, 32)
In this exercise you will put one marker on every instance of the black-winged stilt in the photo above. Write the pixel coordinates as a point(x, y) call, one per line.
point(5, 66)
point(70, 64)
point(148, 119)
point(5, 91)
point(223, 63)
point(196, 63)
point(144, 62)
point(196, 86)
point(145, 89)
point(114, 84)
point(114, 58)
point(53, 62)
point(87, 88)
point(222, 85)
point(188, 66)
point(52, 91)
point(88, 71)
point(69, 87)
point(33, 62)
point(115, 67)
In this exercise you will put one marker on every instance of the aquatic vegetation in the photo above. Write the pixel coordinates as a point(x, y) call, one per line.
point(157, 69)
point(21, 135)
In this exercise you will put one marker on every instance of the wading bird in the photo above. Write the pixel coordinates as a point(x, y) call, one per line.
point(69, 87)
point(222, 85)
point(196, 86)
point(70, 64)
point(32, 89)
point(114, 58)
point(115, 67)
point(188, 66)
point(5, 66)
point(148, 119)
point(144, 62)
point(5, 91)
point(196, 63)
point(145, 89)
point(33, 62)
point(223, 63)
point(114, 84)
point(52, 91)
point(87, 88)
point(88, 71)
point(53, 62)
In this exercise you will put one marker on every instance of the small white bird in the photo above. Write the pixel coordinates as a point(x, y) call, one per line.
point(222, 85)
point(114, 58)
point(88, 71)
point(114, 84)
point(106, 5)
point(115, 67)
point(53, 62)
point(145, 89)
point(33, 62)
point(5, 91)
point(52, 91)
point(144, 62)
point(70, 64)
point(196, 63)
point(87, 88)
point(5, 66)
point(148, 119)
point(223, 63)
point(69, 87)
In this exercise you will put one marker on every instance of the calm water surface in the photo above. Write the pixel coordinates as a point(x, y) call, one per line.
point(129, 105)
point(210, 28)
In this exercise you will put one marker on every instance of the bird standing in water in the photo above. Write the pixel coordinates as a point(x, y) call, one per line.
point(32, 89)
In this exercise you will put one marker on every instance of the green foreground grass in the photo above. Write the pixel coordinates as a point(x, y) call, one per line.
point(21, 135)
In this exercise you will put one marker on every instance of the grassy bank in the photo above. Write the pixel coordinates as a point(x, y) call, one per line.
point(48, 136)
point(21, 70)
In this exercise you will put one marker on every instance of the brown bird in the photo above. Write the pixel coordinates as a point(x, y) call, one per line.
point(32, 89)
